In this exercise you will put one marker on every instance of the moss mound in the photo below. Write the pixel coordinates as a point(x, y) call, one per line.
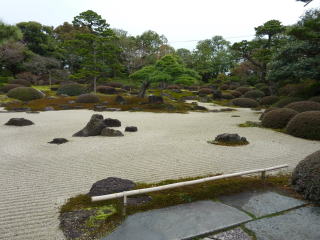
point(245, 102)
point(278, 118)
point(71, 90)
point(304, 106)
point(236, 93)
point(6, 88)
point(227, 96)
point(287, 100)
point(205, 91)
point(266, 111)
point(305, 125)
point(25, 93)
point(269, 100)
point(315, 99)
point(243, 90)
point(306, 177)
point(254, 94)
point(87, 98)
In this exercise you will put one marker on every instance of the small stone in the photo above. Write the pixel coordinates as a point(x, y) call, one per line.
point(19, 122)
point(109, 122)
point(199, 108)
point(71, 102)
point(109, 132)
point(111, 185)
point(131, 129)
point(48, 109)
point(58, 141)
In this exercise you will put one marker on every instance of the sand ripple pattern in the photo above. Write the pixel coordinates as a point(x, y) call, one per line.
point(36, 177)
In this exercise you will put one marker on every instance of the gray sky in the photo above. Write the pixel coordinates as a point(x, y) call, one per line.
point(179, 20)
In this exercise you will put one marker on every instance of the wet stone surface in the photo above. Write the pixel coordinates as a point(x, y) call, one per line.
point(179, 222)
point(261, 203)
point(298, 224)
point(233, 234)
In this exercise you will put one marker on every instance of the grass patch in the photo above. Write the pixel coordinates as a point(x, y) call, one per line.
point(171, 197)
point(250, 124)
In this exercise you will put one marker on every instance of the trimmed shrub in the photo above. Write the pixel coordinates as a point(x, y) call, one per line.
point(6, 88)
point(243, 90)
point(266, 111)
point(245, 102)
point(173, 87)
point(254, 94)
point(304, 106)
point(205, 91)
point(114, 84)
point(25, 93)
point(285, 101)
point(106, 90)
point(306, 177)
point(20, 82)
point(260, 85)
point(87, 98)
point(269, 100)
point(305, 125)
point(315, 99)
point(224, 87)
point(236, 93)
point(227, 96)
point(278, 118)
point(71, 90)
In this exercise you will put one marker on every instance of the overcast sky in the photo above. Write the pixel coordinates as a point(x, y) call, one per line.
point(179, 20)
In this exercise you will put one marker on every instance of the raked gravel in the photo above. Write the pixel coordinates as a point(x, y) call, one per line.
point(37, 177)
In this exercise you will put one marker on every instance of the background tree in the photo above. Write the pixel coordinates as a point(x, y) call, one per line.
point(169, 69)
point(9, 33)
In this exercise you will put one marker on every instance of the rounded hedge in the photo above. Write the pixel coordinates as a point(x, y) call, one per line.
point(266, 111)
point(6, 88)
point(315, 99)
point(278, 118)
point(205, 91)
point(114, 84)
point(269, 100)
point(243, 90)
point(305, 125)
point(25, 93)
point(245, 102)
point(236, 93)
point(87, 98)
point(174, 87)
point(306, 177)
point(22, 82)
point(224, 87)
point(254, 94)
point(285, 101)
point(260, 85)
point(106, 90)
point(71, 90)
point(304, 106)
point(227, 96)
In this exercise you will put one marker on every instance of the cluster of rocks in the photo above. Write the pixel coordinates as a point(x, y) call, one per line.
point(103, 127)
point(231, 139)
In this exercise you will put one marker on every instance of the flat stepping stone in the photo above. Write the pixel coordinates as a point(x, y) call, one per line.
point(179, 222)
point(298, 224)
point(233, 234)
point(261, 203)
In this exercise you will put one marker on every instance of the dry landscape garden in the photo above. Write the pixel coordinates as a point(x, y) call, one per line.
point(88, 110)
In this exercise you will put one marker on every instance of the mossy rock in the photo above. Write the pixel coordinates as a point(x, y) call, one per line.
point(305, 125)
point(245, 102)
point(304, 106)
point(278, 118)
point(71, 90)
point(25, 93)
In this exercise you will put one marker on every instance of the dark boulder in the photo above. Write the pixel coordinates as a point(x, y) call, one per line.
point(109, 122)
point(230, 138)
point(93, 127)
point(58, 141)
point(109, 132)
point(306, 177)
point(131, 129)
point(155, 99)
point(199, 108)
point(111, 185)
point(19, 122)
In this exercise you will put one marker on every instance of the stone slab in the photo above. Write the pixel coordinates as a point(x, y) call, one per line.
point(261, 203)
point(298, 224)
point(233, 234)
point(179, 222)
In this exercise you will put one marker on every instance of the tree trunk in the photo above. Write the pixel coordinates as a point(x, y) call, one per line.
point(143, 89)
